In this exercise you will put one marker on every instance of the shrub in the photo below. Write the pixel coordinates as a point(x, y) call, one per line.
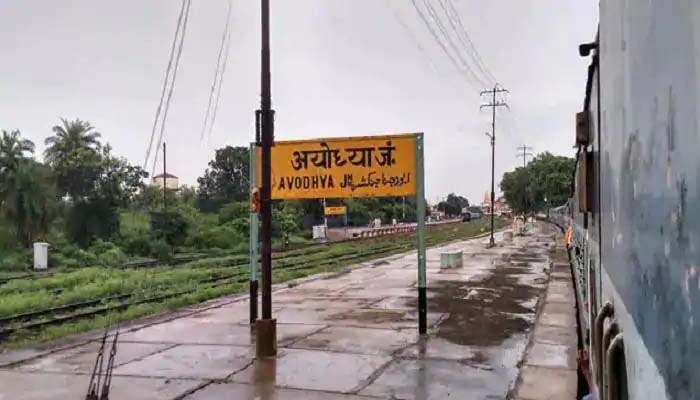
point(113, 257)
point(85, 258)
point(92, 219)
point(134, 223)
point(60, 244)
point(234, 211)
point(139, 245)
point(15, 261)
point(284, 221)
point(161, 250)
point(58, 260)
point(170, 226)
point(224, 237)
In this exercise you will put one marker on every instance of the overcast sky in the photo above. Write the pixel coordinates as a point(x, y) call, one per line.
point(339, 68)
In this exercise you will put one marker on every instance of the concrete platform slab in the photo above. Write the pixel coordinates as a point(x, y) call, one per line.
point(436, 379)
point(551, 355)
point(239, 391)
point(439, 348)
point(549, 334)
point(47, 386)
point(540, 383)
point(191, 331)
point(82, 358)
point(313, 370)
point(381, 318)
point(558, 319)
point(554, 297)
point(396, 303)
point(359, 340)
point(190, 361)
point(324, 303)
point(559, 308)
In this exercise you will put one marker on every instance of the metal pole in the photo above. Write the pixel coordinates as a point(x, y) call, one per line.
point(492, 242)
point(253, 240)
point(420, 210)
point(266, 343)
point(165, 172)
point(325, 217)
point(403, 209)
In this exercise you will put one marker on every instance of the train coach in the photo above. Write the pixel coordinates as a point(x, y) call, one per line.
point(635, 212)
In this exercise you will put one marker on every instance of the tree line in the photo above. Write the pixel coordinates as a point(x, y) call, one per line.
point(543, 183)
point(94, 207)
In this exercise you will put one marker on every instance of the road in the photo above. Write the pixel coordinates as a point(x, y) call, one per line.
point(345, 336)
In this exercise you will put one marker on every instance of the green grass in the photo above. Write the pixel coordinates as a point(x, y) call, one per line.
point(26, 295)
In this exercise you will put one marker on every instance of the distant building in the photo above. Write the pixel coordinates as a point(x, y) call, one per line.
point(499, 204)
point(171, 181)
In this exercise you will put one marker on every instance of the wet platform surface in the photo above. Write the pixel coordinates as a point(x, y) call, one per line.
point(352, 336)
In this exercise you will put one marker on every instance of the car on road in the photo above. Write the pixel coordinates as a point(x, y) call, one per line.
point(475, 212)
point(466, 217)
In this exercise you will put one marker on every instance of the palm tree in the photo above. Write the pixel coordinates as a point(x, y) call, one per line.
point(12, 150)
point(73, 153)
point(28, 201)
point(12, 153)
point(69, 137)
point(26, 193)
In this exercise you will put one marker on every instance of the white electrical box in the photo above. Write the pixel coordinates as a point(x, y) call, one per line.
point(41, 255)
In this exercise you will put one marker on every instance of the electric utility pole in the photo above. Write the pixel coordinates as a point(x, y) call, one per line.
point(266, 328)
point(524, 152)
point(493, 103)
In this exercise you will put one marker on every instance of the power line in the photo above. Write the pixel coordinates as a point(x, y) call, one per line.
point(172, 85)
point(524, 152)
point(437, 38)
point(224, 36)
point(466, 40)
point(221, 78)
point(448, 37)
point(452, 23)
point(417, 43)
point(165, 83)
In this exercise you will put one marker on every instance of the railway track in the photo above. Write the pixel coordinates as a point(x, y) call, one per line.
point(37, 320)
point(234, 271)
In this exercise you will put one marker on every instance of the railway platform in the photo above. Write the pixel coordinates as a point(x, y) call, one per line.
point(350, 335)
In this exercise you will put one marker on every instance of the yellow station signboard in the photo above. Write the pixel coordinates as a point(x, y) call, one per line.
point(375, 166)
point(334, 210)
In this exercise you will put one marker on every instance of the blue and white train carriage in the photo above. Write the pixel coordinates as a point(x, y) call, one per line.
point(636, 208)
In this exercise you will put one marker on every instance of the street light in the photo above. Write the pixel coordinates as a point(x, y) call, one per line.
point(492, 242)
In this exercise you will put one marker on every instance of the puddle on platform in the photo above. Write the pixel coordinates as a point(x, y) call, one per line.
point(487, 312)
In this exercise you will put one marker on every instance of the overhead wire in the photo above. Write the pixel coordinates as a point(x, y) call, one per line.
point(441, 27)
point(466, 40)
point(440, 42)
point(418, 45)
point(223, 72)
point(217, 70)
point(172, 85)
point(165, 84)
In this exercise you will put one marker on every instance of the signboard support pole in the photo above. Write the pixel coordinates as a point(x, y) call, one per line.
point(420, 215)
point(253, 242)
point(266, 327)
